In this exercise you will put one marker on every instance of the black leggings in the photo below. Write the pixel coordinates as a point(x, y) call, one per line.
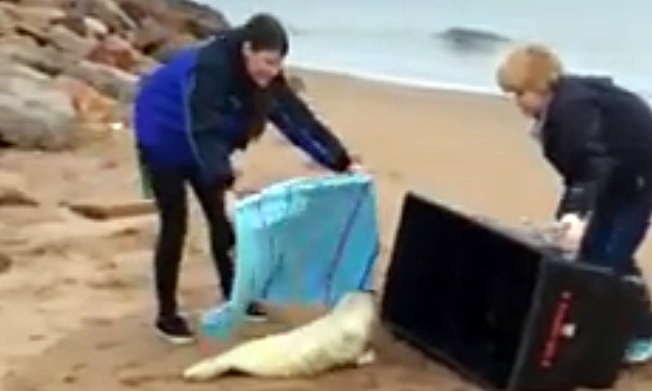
point(168, 188)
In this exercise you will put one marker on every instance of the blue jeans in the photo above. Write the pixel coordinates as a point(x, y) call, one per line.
point(615, 231)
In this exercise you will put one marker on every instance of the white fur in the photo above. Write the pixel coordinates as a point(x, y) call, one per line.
point(337, 339)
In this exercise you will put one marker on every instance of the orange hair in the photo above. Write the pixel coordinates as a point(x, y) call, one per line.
point(529, 68)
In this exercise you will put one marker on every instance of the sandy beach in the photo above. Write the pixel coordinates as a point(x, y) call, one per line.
point(76, 302)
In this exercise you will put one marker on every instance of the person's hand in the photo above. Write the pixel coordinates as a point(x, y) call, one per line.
point(356, 168)
point(569, 231)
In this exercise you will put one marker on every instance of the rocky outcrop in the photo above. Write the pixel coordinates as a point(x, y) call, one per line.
point(70, 66)
point(471, 39)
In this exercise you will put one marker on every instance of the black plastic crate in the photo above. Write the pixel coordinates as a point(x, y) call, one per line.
point(505, 312)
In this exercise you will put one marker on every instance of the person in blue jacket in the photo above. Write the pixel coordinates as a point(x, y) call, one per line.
point(190, 115)
point(598, 137)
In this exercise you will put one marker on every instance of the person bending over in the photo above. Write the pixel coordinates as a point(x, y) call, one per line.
point(598, 137)
point(190, 115)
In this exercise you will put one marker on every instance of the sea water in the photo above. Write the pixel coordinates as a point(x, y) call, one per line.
point(405, 41)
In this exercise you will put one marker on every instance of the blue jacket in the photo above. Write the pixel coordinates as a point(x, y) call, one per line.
point(598, 136)
point(191, 113)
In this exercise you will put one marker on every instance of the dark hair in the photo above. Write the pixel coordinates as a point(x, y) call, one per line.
point(265, 32)
point(260, 104)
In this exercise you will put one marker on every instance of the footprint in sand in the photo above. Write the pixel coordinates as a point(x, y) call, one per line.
point(5, 263)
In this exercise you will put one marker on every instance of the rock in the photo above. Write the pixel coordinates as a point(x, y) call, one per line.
point(91, 106)
point(37, 17)
point(34, 113)
point(150, 36)
point(165, 25)
point(74, 22)
point(471, 39)
point(68, 41)
point(110, 13)
point(96, 27)
point(145, 65)
point(163, 52)
point(199, 20)
point(112, 82)
point(98, 115)
point(103, 210)
point(13, 191)
point(32, 21)
point(116, 52)
point(7, 23)
point(26, 51)
point(39, 35)
point(44, 3)
point(78, 20)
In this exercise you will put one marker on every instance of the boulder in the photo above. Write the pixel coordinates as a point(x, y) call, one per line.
point(110, 13)
point(95, 27)
point(7, 23)
point(25, 50)
point(110, 81)
point(97, 114)
point(150, 36)
point(199, 20)
point(173, 43)
point(91, 106)
point(37, 17)
point(74, 22)
point(44, 3)
point(116, 52)
point(145, 65)
point(78, 20)
point(164, 26)
point(68, 41)
point(30, 21)
point(34, 113)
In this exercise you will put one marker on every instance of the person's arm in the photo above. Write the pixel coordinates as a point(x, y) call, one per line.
point(209, 120)
point(579, 123)
point(298, 124)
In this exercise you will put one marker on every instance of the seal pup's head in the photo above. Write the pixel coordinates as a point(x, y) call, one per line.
point(355, 313)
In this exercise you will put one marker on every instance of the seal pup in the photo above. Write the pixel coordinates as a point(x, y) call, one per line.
point(339, 338)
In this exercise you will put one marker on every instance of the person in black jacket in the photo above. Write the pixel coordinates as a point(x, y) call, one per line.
point(598, 137)
point(190, 115)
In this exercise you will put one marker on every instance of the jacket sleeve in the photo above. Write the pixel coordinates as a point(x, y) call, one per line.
point(209, 121)
point(299, 125)
point(579, 123)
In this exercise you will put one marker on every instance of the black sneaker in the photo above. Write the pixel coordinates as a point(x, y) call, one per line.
point(175, 330)
point(256, 313)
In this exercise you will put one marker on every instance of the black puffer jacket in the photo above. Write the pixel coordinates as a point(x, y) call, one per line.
point(598, 136)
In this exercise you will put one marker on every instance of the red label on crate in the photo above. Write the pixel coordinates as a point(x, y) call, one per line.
point(559, 320)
